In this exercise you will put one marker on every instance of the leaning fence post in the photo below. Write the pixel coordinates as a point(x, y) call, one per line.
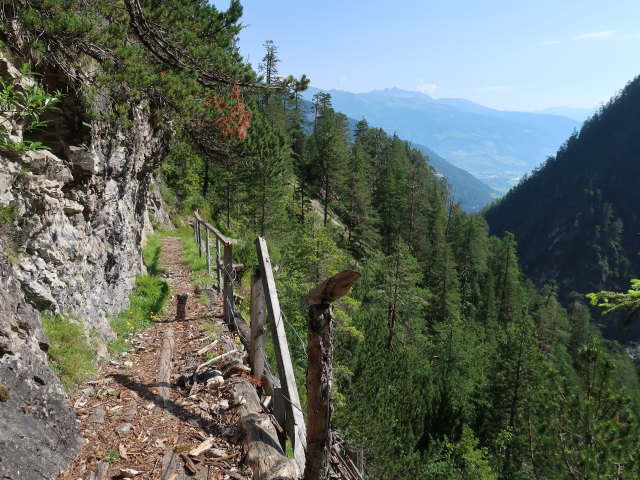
point(295, 421)
point(258, 313)
point(320, 371)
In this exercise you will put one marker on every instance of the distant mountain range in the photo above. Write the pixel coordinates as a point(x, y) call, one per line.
point(497, 147)
point(578, 114)
point(471, 193)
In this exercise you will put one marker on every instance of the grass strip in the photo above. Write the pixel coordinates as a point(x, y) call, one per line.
point(148, 300)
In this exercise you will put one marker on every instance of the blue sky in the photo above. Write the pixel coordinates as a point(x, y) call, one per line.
point(506, 54)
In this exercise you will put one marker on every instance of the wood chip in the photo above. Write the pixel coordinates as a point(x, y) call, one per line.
point(204, 446)
point(188, 464)
point(211, 346)
point(216, 359)
point(123, 452)
point(235, 476)
point(129, 472)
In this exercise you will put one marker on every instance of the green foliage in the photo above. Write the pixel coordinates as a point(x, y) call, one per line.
point(70, 353)
point(112, 456)
point(7, 217)
point(612, 302)
point(448, 363)
point(23, 100)
point(575, 217)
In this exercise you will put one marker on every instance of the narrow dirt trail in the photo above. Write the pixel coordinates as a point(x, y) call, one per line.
point(134, 432)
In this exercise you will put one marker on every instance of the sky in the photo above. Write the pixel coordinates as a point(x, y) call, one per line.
point(505, 54)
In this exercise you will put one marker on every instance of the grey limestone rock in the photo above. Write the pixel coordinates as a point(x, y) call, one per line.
point(81, 217)
point(39, 432)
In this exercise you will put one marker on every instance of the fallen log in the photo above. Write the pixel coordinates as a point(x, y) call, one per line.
point(264, 455)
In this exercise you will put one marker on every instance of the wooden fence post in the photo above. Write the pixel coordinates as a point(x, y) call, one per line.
point(218, 268)
point(295, 420)
point(227, 295)
point(199, 239)
point(319, 375)
point(258, 314)
point(208, 252)
point(320, 371)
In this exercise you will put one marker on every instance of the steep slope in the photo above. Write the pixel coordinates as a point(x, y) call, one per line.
point(576, 219)
point(472, 194)
point(495, 146)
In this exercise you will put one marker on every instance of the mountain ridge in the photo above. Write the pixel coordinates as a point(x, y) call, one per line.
point(497, 147)
point(472, 193)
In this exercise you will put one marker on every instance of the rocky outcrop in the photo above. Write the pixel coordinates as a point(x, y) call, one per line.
point(80, 217)
point(39, 432)
point(81, 211)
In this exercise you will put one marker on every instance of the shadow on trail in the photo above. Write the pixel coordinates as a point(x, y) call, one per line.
point(144, 390)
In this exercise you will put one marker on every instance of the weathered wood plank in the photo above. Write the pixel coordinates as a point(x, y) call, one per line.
point(164, 368)
point(264, 454)
point(295, 420)
point(228, 285)
point(258, 314)
point(319, 374)
point(199, 238)
point(218, 265)
point(208, 250)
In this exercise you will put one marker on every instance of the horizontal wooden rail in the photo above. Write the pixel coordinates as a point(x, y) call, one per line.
point(225, 240)
point(225, 271)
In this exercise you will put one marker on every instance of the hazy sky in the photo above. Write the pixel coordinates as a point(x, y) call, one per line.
point(506, 54)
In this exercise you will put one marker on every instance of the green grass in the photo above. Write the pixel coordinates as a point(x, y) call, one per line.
point(72, 358)
point(8, 215)
point(112, 456)
point(148, 300)
point(191, 256)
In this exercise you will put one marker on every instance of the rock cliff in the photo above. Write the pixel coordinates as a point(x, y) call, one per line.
point(39, 430)
point(80, 216)
point(82, 210)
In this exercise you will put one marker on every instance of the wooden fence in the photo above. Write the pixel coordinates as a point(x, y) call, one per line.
point(265, 308)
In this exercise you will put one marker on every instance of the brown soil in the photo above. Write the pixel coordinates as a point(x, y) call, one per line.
point(128, 426)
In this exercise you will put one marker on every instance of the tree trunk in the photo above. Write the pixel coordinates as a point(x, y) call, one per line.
point(319, 375)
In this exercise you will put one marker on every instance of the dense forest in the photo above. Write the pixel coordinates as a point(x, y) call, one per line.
point(575, 217)
point(449, 362)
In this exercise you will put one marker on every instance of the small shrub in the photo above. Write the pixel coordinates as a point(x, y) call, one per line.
point(112, 456)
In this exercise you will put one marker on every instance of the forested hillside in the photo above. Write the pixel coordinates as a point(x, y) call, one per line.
point(471, 193)
point(576, 217)
point(449, 362)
